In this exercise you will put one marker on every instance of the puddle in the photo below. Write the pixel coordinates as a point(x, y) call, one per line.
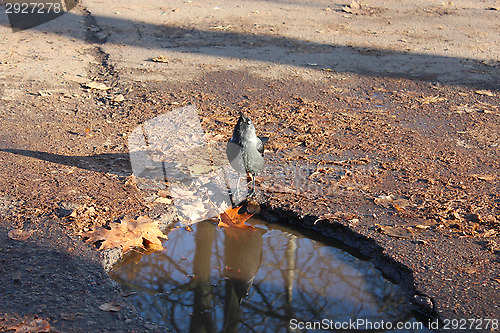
point(267, 279)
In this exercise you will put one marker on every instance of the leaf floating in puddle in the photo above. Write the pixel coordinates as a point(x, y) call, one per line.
point(110, 307)
point(231, 218)
point(397, 232)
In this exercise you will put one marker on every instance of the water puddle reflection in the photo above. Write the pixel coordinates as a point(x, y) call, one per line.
point(267, 279)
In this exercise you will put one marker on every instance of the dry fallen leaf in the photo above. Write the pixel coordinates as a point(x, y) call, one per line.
point(492, 246)
point(353, 7)
point(117, 98)
point(96, 85)
point(431, 99)
point(214, 138)
point(355, 4)
point(398, 208)
point(468, 270)
point(20, 234)
point(128, 234)
point(163, 193)
point(489, 233)
point(353, 222)
point(337, 216)
point(110, 307)
point(485, 92)
point(148, 229)
point(484, 177)
point(231, 218)
point(384, 200)
point(397, 232)
point(163, 200)
point(26, 324)
point(44, 93)
point(160, 58)
point(422, 227)
point(130, 181)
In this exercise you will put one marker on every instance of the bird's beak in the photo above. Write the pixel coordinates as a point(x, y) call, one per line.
point(245, 118)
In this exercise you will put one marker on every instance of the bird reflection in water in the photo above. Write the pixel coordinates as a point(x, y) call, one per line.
point(242, 259)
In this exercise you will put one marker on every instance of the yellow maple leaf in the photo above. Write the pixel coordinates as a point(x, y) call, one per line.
point(148, 229)
point(231, 218)
point(128, 234)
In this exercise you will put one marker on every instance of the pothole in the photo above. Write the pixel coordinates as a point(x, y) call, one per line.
point(269, 278)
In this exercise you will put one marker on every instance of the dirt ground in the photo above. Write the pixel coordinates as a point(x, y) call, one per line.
point(383, 124)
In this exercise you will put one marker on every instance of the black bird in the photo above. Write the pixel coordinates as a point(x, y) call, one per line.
point(245, 150)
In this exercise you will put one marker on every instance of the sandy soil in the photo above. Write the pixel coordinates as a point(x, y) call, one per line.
point(383, 125)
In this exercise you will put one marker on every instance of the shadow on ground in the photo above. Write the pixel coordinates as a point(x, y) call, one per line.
point(118, 163)
point(63, 278)
point(287, 51)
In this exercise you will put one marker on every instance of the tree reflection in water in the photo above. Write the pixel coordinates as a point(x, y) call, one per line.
point(255, 280)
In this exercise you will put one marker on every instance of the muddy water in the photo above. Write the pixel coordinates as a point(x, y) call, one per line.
point(262, 279)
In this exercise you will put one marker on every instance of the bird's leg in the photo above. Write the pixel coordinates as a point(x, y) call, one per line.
point(252, 191)
point(237, 190)
point(228, 187)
